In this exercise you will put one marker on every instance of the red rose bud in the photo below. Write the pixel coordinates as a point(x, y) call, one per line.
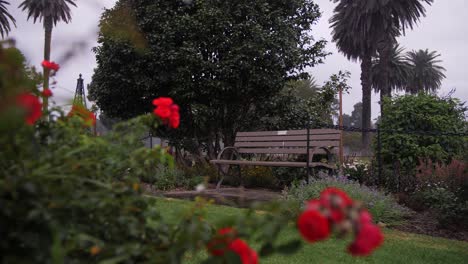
point(334, 197)
point(313, 226)
point(50, 65)
point(47, 93)
point(167, 111)
point(163, 112)
point(163, 101)
point(219, 244)
point(314, 205)
point(246, 254)
point(367, 240)
point(365, 217)
point(31, 105)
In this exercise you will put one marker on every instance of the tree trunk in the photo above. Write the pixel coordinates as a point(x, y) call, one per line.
point(366, 67)
point(385, 90)
point(47, 42)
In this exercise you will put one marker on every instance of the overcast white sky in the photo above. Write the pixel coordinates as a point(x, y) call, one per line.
point(444, 30)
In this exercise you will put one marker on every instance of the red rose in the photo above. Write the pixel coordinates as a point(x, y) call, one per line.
point(174, 119)
point(163, 112)
point(246, 254)
point(336, 201)
point(313, 226)
point(218, 245)
point(367, 240)
point(47, 93)
point(31, 105)
point(167, 111)
point(163, 101)
point(313, 205)
point(334, 197)
point(365, 217)
point(50, 65)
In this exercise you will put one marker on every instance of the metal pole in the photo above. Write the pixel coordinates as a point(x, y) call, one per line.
point(308, 150)
point(151, 139)
point(341, 126)
point(379, 154)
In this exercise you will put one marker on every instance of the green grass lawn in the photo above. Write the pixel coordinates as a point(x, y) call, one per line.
point(399, 247)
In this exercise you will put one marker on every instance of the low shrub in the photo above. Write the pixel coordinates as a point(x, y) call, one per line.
point(450, 209)
point(444, 189)
point(167, 178)
point(259, 177)
point(383, 207)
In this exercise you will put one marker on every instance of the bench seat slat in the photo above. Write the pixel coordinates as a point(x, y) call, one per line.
point(288, 132)
point(289, 138)
point(288, 144)
point(279, 151)
point(272, 163)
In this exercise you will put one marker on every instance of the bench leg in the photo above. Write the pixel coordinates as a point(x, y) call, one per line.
point(220, 177)
point(240, 177)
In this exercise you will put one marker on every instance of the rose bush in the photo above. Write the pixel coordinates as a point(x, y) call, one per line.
point(68, 196)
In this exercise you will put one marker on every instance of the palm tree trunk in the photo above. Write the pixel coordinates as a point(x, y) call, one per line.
point(366, 67)
point(47, 42)
point(385, 90)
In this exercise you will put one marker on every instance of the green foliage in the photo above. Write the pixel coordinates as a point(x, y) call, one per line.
point(259, 177)
point(166, 178)
point(452, 211)
point(383, 208)
point(219, 60)
point(14, 72)
point(300, 102)
point(422, 113)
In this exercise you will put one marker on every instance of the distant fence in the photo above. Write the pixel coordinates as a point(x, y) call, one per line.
point(352, 144)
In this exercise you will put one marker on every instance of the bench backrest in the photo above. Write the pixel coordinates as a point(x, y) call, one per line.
point(287, 141)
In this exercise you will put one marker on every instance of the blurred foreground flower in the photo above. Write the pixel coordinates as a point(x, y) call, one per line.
point(31, 105)
point(226, 240)
point(47, 93)
point(50, 65)
point(167, 111)
point(335, 210)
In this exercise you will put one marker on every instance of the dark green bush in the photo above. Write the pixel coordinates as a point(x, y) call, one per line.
point(452, 211)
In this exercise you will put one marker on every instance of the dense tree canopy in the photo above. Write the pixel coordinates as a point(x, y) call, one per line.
point(219, 60)
point(420, 126)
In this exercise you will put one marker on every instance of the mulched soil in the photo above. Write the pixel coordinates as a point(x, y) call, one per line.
point(423, 223)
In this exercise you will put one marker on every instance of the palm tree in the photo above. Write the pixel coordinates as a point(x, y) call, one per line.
point(50, 12)
point(363, 27)
point(4, 19)
point(426, 75)
point(399, 71)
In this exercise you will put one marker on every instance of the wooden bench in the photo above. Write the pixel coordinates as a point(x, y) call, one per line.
point(282, 148)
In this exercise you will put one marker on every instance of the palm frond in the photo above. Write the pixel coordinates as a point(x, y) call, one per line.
point(426, 73)
point(5, 18)
point(399, 70)
point(57, 10)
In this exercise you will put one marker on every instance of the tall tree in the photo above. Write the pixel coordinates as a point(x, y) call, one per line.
point(426, 74)
point(5, 19)
point(50, 12)
point(399, 71)
point(220, 60)
point(363, 27)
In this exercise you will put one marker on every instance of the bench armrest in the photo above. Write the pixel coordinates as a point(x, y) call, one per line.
point(227, 148)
